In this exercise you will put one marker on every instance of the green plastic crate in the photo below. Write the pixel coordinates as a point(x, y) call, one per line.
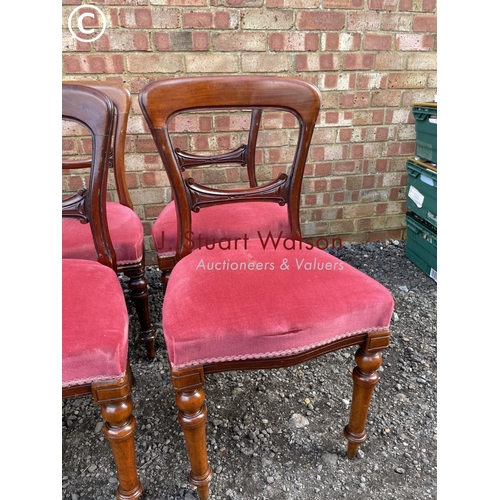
point(425, 114)
point(421, 245)
point(421, 193)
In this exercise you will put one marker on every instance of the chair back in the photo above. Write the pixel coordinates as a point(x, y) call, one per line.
point(95, 111)
point(162, 101)
point(120, 96)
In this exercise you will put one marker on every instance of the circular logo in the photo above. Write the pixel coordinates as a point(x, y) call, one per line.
point(96, 18)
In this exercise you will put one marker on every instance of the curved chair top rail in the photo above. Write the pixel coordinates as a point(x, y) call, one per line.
point(165, 98)
point(120, 96)
point(95, 111)
point(162, 100)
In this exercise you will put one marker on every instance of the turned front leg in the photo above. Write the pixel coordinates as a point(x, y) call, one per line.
point(120, 430)
point(365, 379)
point(192, 417)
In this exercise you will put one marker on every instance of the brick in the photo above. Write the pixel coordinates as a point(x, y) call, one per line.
point(180, 41)
point(386, 61)
point(397, 116)
point(374, 41)
point(136, 18)
point(236, 3)
point(355, 100)
point(150, 18)
point(364, 151)
point(343, 4)
point(341, 227)
point(228, 20)
point(267, 20)
point(363, 21)
point(123, 41)
point(265, 63)
point(429, 6)
point(190, 123)
point(293, 4)
point(323, 21)
point(432, 81)
point(154, 63)
point(94, 63)
point(406, 5)
point(197, 19)
point(368, 117)
point(154, 179)
point(69, 146)
point(415, 42)
point(232, 122)
point(179, 3)
point(386, 98)
point(70, 44)
point(427, 24)
point(371, 81)
point(422, 61)
point(407, 80)
point(335, 152)
point(317, 62)
point(323, 135)
point(331, 99)
point(293, 41)
point(212, 63)
point(201, 40)
point(148, 196)
point(232, 42)
point(396, 22)
point(373, 195)
point(356, 211)
point(359, 61)
point(383, 4)
point(345, 135)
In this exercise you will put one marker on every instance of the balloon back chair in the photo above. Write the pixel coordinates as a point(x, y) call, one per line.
point(94, 312)
point(125, 227)
point(217, 221)
point(264, 302)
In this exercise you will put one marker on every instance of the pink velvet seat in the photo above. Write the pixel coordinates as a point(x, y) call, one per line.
point(94, 331)
point(125, 230)
point(214, 225)
point(234, 296)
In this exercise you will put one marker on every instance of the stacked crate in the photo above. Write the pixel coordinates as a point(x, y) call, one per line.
point(421, 194)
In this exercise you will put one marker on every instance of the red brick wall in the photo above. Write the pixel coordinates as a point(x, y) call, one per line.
point(371, 59)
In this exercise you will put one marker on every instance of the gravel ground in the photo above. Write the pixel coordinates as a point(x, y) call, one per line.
point(279, 434)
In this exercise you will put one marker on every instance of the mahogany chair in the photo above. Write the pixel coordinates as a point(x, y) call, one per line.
point(94, 312)
point(125, 227)
point(259, 304)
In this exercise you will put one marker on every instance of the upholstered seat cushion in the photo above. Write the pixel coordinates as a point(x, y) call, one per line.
point(262, 302)
point(218, 223)
point(125, 230)
point(94, 323)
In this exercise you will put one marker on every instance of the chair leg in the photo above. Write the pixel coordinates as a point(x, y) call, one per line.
point(116, 409)
point(365, 379)
point(190, 399)
point(165, 274)
point(166, 265)
point(138, 286)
